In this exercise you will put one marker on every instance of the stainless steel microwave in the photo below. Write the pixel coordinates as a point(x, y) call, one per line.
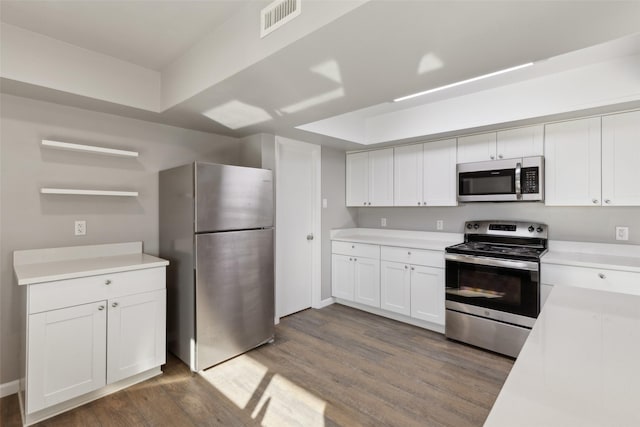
point(509, 180)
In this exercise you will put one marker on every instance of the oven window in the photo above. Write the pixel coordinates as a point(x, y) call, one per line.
point(487, 182)
point(505, 289)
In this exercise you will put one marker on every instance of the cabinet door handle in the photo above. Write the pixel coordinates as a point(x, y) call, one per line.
point(369, 203)
point(353, 246)
point(418, 203)
point(413, 268)
point(607, 201)
point(492, 157)
point(355, 259)
point(107, 282)
point(595, 201)
point(602, 276)
point(406, 266)
point(365, 203)
point(409, 253)
point(350, 259)
point(499, 156)
point(114, 305)
point(101, 308)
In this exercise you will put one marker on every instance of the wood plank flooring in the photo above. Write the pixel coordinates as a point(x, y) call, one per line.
point(332, 367)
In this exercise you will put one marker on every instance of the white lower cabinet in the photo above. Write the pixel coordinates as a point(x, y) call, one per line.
point(395, 287)
point(67, 354)
point(427, 294)
point(367, 281)
point(342, 273)
point(112, 335)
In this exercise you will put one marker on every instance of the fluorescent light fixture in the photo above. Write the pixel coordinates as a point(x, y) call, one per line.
point(235, 114)
point(484, 76)
point(312, 102)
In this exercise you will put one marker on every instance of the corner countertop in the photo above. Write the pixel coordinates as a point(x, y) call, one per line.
point(593, 255)
point(579, 365)
point(435, 241)
point(46, 265)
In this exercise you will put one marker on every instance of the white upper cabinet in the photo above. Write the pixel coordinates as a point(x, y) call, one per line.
point(505, 144)
point(572, 163)
point(620, 156)
point(439, 175)
point(407, 179)
point(370, 178)
point(477, 148)
point(425, 174)
point(520, 142)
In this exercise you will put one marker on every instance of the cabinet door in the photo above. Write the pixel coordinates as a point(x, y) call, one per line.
point(67, 354)
point(620, 156)
point(395, 287)
point(342, 271)
point(136, 334)
point(407, 175)
point(440, 182)
point(477, 148)
point(357, 179)
point(427, 294)
point(572, 163)
point(367, 281)
point(520, 142)
point(381, 177)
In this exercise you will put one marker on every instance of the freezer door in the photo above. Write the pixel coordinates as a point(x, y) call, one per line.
point(234, 294)
point(232, 197)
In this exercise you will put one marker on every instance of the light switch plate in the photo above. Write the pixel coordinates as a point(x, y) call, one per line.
point(80, 228)
point(622, 233)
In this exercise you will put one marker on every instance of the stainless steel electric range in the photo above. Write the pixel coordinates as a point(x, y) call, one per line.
point(493, 284)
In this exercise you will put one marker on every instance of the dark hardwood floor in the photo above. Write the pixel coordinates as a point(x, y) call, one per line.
point(335, 366)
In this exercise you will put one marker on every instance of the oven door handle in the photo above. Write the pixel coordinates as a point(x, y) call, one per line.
point(493, 262)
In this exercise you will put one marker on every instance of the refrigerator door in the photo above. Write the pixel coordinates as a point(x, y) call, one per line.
point(234, 294)
point(232, 197)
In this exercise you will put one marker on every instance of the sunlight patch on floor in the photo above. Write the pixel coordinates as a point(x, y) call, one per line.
point(268, 397)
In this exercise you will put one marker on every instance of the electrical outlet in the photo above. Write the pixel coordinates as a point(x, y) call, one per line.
point(80, 228)
point(439, 224)
point(383, 222)
point(622, 233)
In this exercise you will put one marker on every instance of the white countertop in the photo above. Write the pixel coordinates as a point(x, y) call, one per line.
point(593, 255)
point(436, 241)
point(579, 366)
point(46, 265)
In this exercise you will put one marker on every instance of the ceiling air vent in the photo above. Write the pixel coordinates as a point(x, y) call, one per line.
point(277, 14)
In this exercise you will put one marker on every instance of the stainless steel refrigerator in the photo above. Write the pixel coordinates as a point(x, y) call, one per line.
point(216, 228)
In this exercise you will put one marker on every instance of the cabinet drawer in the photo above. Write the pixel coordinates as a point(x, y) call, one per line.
point(625, 282)
point(70, 292)
point(412, 256)
point(355, 249)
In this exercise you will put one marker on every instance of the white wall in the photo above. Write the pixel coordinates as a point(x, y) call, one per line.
point(30, 220)
point(42, 61)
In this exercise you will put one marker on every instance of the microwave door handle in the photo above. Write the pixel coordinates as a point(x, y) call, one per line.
point(518, 182)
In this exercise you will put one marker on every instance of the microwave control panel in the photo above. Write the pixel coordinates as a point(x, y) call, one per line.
point(530, 180)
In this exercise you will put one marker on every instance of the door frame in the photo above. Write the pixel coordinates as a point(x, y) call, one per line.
point(316, 248)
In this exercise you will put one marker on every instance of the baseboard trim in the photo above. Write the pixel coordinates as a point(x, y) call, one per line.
point(325, 303)
point(9, 388)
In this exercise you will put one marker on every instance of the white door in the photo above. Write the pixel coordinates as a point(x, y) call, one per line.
point(67, 354)
point(381, 177)
point(342, 270)
point(572, 163)
point(357, 179)
point(407, 175)
point(395, 287)
point(440, 173)
point(297, 226)
point(477, 148)
point(427, 294)
point(520, 142)
point(620, 156)
point(367, 281)
point(136, 334)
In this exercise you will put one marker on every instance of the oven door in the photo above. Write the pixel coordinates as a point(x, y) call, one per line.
point(506, 290)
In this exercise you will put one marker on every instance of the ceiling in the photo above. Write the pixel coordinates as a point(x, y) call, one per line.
point(371, 55)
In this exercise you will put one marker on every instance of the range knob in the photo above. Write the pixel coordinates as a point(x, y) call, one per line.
point(531, 229)
point(469, 226)
point(539, 229)
point(476, 226)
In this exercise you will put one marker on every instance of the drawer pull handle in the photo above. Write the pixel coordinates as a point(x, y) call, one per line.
point(409, 253)
point(101, 308)
point(406, 267)
point(353, 246)
point(350, 259)
point(114, 305)
point(602, 276)
point(107, 282)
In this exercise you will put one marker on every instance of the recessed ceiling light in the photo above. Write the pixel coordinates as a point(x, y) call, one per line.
point(484, 76)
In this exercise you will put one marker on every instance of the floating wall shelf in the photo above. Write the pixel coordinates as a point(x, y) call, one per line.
point(88, 192)
point(88, 148)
